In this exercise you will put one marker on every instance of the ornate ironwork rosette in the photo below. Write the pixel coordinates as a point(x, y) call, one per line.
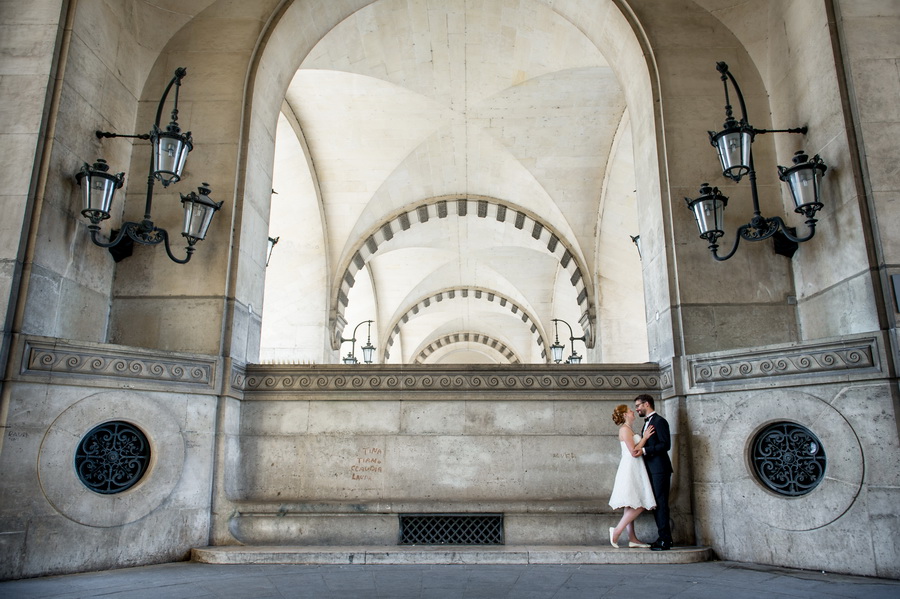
point(112, 457)
point(788, 459)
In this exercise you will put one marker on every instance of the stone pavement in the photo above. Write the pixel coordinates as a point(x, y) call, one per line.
point(192, 580)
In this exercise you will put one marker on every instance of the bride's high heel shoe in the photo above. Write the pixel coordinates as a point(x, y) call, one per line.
point(612, 531)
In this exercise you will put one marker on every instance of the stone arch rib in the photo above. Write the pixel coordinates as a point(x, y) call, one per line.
point(466, 207)
point(467, 337)
point(478, 293)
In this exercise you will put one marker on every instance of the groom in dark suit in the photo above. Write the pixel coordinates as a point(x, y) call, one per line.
point(659, 467)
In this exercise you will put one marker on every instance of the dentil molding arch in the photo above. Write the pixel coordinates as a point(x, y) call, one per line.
point(468, 292)
point(528, 227)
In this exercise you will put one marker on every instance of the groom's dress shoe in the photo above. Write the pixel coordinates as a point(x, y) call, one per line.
point(661, 546)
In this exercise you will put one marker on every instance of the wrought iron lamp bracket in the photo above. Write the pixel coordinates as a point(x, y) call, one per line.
point(145, 232)
point(736, 155)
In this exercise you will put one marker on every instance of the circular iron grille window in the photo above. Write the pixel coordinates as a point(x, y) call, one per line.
point(788, 459)
point(112, 457)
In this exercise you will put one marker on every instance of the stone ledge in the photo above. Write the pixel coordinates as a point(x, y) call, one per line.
point(437, 555)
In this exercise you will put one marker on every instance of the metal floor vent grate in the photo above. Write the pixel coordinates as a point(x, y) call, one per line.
point(451, 529)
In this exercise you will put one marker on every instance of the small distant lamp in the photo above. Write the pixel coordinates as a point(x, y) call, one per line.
point(368, 349)
point(557, 347)
point(636, 239)
point(271, 246)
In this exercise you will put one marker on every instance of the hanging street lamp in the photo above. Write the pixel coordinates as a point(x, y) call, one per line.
point(167, 159)
point(734, 148)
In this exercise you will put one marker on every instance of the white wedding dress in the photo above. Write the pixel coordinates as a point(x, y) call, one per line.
point(632, 487)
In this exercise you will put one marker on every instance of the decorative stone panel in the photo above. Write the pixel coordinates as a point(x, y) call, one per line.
point(116, 366)
point(832, 360)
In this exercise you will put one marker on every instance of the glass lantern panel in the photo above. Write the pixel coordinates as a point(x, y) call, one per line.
point(97, 196)
point(557, 351)
point(197, 218)
point(734, 153)
point(169, 157)
point(368, 352)
point(710, 215)
point(804, 184)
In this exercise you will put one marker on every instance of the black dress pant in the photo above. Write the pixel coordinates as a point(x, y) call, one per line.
point(660, 484)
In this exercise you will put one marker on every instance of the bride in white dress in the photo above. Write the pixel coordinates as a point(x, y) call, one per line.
point(632, 489)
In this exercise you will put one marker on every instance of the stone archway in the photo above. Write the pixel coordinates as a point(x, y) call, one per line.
point(609, 27)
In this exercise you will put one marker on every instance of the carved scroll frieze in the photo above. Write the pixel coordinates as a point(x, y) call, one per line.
point(817, 360)
point(238, 377)
point(100, 362)
point(326, 379)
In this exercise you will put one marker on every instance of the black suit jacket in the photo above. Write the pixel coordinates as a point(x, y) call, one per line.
point(656, 456)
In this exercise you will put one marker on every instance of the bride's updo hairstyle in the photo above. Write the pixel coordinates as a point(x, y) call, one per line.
point(618, 414)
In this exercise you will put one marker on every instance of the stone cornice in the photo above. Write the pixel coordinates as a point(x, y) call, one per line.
point(112, 366)
point(840, 358)
point(426, 380)
point(103, 365)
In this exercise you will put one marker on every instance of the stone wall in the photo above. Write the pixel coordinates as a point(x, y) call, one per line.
point(50, 522)
point(329, 454)
point(317, 455)
point(838, 390)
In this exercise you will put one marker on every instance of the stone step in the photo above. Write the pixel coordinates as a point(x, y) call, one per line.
point(434, 555)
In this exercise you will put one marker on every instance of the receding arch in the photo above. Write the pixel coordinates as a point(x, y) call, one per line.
point(468, 337)
point(479, 293)
point(532, 228)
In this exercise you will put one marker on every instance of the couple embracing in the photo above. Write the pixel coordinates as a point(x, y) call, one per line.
point(642, 481)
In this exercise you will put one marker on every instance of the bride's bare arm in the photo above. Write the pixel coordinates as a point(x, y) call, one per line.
point(636, 448)
point(626, 435)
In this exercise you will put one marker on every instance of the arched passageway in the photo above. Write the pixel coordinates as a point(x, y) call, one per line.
point(462, 103)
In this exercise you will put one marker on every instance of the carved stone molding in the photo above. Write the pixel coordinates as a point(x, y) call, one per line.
point(584, 380)
point(821, 359)
point(116, 364)
point(238, 377)
point(666, 378)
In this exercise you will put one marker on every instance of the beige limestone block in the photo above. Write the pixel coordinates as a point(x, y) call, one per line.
point(177, 324)
point(432, 418)
point(358, 417)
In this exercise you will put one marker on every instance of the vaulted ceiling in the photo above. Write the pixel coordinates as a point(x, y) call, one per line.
point(460, 173)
